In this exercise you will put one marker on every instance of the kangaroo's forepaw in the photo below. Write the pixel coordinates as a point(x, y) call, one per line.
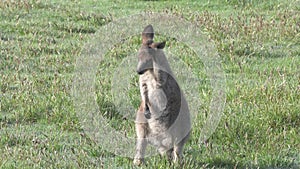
point(147, 114)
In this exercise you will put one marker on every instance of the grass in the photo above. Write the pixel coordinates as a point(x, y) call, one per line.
point(258, 43)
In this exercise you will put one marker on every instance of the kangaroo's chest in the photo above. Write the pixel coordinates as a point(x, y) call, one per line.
point(148, 84)
point(152, 94)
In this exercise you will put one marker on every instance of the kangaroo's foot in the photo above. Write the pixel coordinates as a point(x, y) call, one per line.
point(138, 161)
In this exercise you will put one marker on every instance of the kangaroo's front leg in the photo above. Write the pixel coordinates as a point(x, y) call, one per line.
point(141, 126)
point(146, 103)
point(147, 112)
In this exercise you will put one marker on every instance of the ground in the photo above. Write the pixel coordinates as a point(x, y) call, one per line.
point(258, 46)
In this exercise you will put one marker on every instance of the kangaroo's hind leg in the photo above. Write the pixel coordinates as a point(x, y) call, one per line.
point(178, 148)
point(141, 126)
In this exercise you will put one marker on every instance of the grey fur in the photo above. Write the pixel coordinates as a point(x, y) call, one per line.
point(163, 118)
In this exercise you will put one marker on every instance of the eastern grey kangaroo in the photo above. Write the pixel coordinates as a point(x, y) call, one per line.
point(163, 118)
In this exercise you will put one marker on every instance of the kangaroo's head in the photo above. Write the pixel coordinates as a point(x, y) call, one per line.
point(148, 51)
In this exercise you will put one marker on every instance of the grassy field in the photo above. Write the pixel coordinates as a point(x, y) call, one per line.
point(258, 43)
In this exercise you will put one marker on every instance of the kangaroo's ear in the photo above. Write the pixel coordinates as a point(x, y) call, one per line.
point(148, 35)
point(158, 45)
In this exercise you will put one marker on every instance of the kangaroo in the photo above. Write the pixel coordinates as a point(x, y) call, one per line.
point(163, 118)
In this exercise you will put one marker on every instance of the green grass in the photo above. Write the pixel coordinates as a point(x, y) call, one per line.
point(258, 43)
